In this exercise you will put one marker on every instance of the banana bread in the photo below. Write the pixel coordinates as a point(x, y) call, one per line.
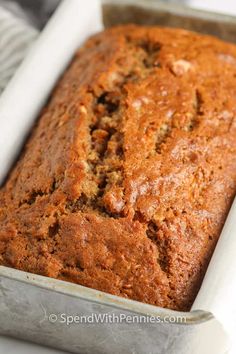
point(127, 178)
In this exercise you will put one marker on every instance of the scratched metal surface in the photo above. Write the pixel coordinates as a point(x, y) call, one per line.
point(27, 300)
point(163, 13)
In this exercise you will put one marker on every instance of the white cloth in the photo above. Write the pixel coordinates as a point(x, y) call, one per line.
point(16, 36)
point(13, 347)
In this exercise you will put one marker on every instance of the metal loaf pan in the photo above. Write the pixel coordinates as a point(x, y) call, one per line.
point(27, 300)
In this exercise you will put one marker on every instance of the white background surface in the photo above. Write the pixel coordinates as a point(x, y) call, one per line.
point(12, 346)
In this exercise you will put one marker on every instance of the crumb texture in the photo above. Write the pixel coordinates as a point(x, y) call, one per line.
point(129, 173)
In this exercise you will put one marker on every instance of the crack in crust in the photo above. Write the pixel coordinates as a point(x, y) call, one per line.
point(106, 133)
point(128, 176)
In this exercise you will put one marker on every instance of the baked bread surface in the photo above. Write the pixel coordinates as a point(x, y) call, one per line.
point(129, 173)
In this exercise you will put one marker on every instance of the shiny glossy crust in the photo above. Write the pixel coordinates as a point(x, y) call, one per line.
point(128, 176)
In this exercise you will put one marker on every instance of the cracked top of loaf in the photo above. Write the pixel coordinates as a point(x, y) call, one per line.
point(127, 178)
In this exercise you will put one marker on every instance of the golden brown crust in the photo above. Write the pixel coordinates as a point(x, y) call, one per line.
point(129, 174)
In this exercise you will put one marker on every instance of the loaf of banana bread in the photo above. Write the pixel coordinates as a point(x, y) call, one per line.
point(127, 178)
